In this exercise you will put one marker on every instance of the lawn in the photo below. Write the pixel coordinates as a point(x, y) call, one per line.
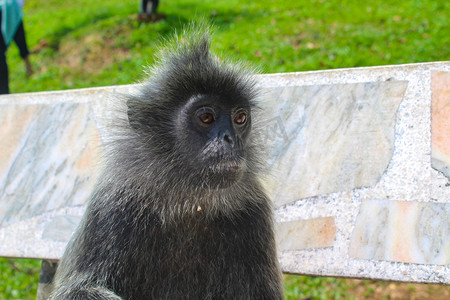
point(88, 43)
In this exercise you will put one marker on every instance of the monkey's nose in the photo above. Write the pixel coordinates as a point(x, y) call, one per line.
point(227, 137)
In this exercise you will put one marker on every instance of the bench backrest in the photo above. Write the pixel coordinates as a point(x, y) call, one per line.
point(358, 167)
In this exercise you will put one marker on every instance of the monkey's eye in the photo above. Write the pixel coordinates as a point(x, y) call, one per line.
point(206, 118)
point(240, 118)
point(205, 115)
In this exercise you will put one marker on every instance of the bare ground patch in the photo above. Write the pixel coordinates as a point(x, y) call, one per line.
point(92, 53)
point(374, 290)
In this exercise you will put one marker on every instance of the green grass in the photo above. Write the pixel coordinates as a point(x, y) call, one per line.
point(303, 287)
point(18, 278)
point(89, 43)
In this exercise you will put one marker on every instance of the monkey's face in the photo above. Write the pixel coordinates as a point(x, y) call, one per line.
point(212, 132)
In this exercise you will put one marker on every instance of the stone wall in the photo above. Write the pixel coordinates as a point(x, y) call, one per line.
point(358, 168)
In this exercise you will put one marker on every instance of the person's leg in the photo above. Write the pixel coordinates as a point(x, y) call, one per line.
point(149, 7)
point(21, 42)
point(4, 86)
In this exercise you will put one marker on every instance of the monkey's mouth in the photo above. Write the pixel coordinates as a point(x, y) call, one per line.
point(223, 174)
point(224, 167)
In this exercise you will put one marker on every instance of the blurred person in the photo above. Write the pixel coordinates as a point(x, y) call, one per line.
point(11, 26)
point(148, 11)
point(148, 8)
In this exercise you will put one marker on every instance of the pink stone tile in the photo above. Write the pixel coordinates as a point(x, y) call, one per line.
point(402, 231)
point(440, 121)
point(306, 234)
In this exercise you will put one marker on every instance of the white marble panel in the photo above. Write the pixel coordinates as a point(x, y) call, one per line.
point(329, 138)
point(60, 228)
point(402, 231)
point(440, 122)
point(49, 159)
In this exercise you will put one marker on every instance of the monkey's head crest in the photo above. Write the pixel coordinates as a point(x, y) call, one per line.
point(195, 114)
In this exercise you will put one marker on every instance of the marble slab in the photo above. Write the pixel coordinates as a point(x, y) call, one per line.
point(330, 138)
point(305, 234)
point(440, 122)
point(402, 231)
point(357, 177)
point(60, 228)
point(49, 158)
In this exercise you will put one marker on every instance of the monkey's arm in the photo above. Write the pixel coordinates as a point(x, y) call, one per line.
point(255, 251)
point(71, 292)
point(86, 267)
point(74, 284)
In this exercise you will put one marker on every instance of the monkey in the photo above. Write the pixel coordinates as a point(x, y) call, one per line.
point(179, 211)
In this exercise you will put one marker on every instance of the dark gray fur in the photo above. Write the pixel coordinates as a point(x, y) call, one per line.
point(156, 227)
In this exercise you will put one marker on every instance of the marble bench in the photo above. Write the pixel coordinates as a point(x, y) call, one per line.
point(358, 167)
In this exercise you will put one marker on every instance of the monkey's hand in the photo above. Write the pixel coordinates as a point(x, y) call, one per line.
point(85, 293)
